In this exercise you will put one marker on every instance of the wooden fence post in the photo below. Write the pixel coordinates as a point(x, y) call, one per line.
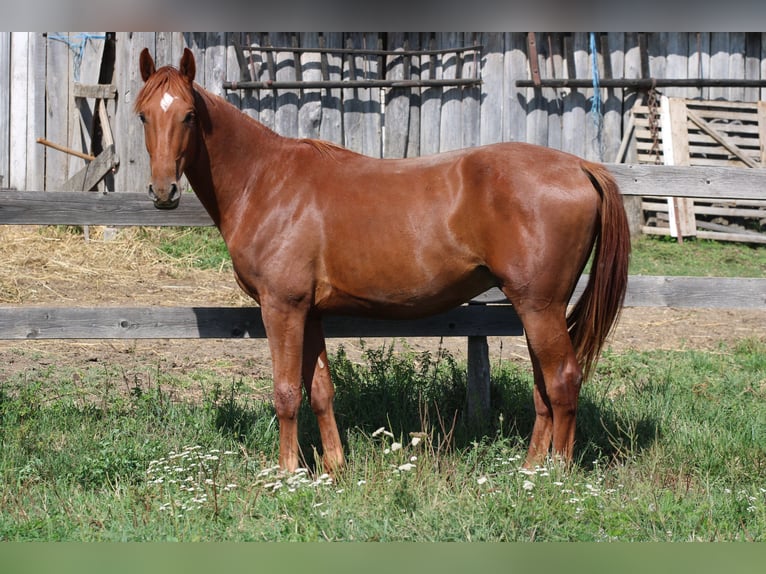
point(477, 396)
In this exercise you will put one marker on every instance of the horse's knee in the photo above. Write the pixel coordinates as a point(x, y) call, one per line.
point(564, 389)
point(287, 401)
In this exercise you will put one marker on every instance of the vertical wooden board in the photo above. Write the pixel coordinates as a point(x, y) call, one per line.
point(471, 95)
point(431, 99)
point(719, 63)
point(698, 62)
point(736, 65)
point(85, 70)
point(451, 128)
point(36, 112)
point(18, 119)
point(613, 97)
point(57, 111)
point(163, 50)
point(361, 106)
point(415, 100)
point(310, 110)
point(286, 111)
point(676, 152)
point(575, 103)
point(5, 106)
point(677, 62)
point(397, 102)
point(762, 131)
point(371, 109)
point(331, 128)
point(352, 109)
point(492, 109)
point(762, 92)
point(249, 99)
point(752, 65)
point(263, 100)
point(516, 67)
point(214, 65)
point(233, 72)
point(537, 105)
point(554, 68)
point(133, 174)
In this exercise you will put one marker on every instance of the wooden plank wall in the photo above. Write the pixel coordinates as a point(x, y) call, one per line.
point(36, 73)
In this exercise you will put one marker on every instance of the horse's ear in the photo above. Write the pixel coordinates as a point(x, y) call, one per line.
point(146, 64)
point(187, 67)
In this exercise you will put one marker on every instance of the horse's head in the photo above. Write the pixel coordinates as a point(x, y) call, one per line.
point(165, 106)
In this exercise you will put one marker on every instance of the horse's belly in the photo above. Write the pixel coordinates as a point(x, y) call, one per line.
point(395, 297)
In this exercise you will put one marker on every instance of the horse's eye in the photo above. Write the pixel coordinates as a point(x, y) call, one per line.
point(142, 117)
point(189, 118)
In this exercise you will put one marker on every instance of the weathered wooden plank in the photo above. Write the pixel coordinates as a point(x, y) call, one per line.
point(667, 291)
point(451, 129)
point(128, 131)
point(57, 119)
point(516, 67)
point(236, 322)
point(431, 98)
point(493, 106)
point(19, 71)
point(331, 128)
point(88, 177)
point(130, 208)
point(245, 322)
point(5, 106)
point(697, 181)
point(96, 208)
point(537, 103)
point(310, 110)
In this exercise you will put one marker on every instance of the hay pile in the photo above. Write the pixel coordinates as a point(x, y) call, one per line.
point(56, 265)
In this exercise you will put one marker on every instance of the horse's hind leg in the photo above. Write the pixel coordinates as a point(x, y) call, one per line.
point(320, 391)
point(558, 378)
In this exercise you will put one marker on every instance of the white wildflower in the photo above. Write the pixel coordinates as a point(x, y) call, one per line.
point(528, 485)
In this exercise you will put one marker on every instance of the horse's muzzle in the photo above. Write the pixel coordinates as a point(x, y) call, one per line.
point(167, 200)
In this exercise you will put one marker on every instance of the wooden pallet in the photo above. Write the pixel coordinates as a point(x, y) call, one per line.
point(703, 133)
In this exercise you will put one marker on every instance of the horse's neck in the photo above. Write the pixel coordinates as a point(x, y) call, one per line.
point(228, 156)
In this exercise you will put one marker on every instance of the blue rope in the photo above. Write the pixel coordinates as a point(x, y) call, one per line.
point(77, 47)
point(596, 106)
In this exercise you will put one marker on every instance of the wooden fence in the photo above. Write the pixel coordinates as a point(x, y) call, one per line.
point(383, 94)
point(488, 315)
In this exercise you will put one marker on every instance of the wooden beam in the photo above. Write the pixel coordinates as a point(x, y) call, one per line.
point(465, 321)
point(236, 322)
point(97, 208)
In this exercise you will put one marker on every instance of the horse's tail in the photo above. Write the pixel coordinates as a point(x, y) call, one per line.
point(597, 310)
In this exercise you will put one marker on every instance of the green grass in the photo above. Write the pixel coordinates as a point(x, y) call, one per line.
point(670, 447)
point(701, 258)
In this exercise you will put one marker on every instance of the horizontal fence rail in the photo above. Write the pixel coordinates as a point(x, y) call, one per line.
point(131, 208)
point(492, 317)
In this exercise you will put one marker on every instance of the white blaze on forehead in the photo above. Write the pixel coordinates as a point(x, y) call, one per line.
point(166, 102)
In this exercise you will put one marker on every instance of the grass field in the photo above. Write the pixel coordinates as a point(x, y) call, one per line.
point(670, 446)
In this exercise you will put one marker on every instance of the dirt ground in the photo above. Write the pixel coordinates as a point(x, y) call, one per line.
point(61, 268)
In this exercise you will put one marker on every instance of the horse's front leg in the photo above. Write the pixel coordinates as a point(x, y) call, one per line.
point(320, 391)
point(285, 331)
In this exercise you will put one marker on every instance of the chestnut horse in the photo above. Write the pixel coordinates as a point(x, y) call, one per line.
point(314, 228)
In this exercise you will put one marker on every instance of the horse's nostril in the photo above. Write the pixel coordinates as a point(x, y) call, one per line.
point(152, 195)
point(175, 193)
